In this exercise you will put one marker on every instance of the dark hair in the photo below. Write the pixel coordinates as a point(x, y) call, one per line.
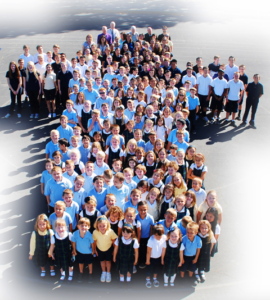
point(214, 212)
point(49, 161)
point(17, 71)
point(142, 183)
point(64, 141)
point(142, 203)
point(98, 178)
point(158, 229)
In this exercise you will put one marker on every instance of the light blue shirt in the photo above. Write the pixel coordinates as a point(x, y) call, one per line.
point(109, 138)
point(172, 136)
point(84, 153)
point(73, 97)
point(65, 217)
point(104, 209)
point(95, 127)
point(100, 170)
point(146, 224)
point(183, 145)
point(88, 183)
point(181, 227)
point(66, 133)
point(45, 177)
point(100, 197)
point(109, 77)
point(148, 146)
point(65, 156)
point(129, 204)
point(170, 157)
point(120, 195)
point(71, 178)
point(72, 82)
point(132, 185)
point(100, 101)
point(138, 125)
point(92, 96)
point(72, 116)
point(97, 87)
point(79, 197)
point(166, 229)
point(141, 143)
point(191, 247)
point(50, 148)
point(137, 180)
point(193, 102)
point(72, 211)
point(83, 245)
point(129, 114)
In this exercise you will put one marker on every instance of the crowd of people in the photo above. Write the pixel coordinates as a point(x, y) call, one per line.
point(122, 182)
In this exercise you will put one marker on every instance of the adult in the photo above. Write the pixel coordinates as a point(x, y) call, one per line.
point(148, 36)
point(113, 31)
point(63, 78)
point(88, 43)
point(14, 81)
point(107, 36)
point(32, 85)
point(40, 52)
point(26, 56)
point(254, 91)
point(134, 34)
point(231, 68)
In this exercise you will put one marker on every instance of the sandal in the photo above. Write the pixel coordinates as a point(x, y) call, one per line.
point(43, 273)
point(63, 276)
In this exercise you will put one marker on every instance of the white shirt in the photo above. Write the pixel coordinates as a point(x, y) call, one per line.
point(69, 234)
point(113, 32)
point(230, 70)
point(157, 246)
point(168, 121)
point(90, 213)
point(41, 68)
point(219, 85)
point(71, 69)
point(127, 242)
point(27, 59)
point(153, 209)
point(203, 84)
point(36, 57)
point(234, 89)
point(148, 91)
point(115, 150)
point(160, 130)
point(213, 240)
point(191, 78)
point(136, 103)
point(134, 224)
point(91, 61)
point(82, 68)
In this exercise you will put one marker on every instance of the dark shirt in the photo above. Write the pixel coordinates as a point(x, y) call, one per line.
point(148, 37)
point(108, 38)
point(32, 84)
point(56, 67)
point(213, 67)
point(196, 69)
point(244, 78)
point(64, 78)
point(185, 73)
point(143, 73)
point(14, 81)
point(117, 58)
point(174, 71)
point(161, 36)
point(254, 90)
point(225, 76)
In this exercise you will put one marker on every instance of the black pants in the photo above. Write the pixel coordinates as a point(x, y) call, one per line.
point(253, 104)
point(143, 250)
point(192, 119)
point(154, 266)
point(34, 101)
point(57, 100)
point(13, 102)
point(64, 97)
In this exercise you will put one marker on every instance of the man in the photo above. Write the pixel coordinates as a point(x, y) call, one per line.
point(63, 78)
point(199, 62)
point(107, 35)
point(254, 91)
point(113, 32)
point(174, 69)
point(134, 34)
point(235, 90)
point(231, 68)
point(214, 66)
point(164, 32)
point(148, 35)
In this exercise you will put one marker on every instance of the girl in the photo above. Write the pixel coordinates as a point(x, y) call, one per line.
point(130, 218)
point(97, 137)
point(128, 133)
point(150, 163)
point(132, 163)
point(94, 150)
point(130, 150)
point(167, 200)
point(103, 44)
point(79, 103)
point(49, 89)
point(61, 244)
point(147, 127)
point(149, 114)
point(104, 237)
point(32, 83)
point(197, 169)
point(153, 202)
point(179, 184)
point(140, 155)
point(171, 258)
point(162, 158)
point(114, 151)
point(156, 107)
point(14, 81)
point(106, 131)
point(190, 155)
point(40, 244)
point(168, 119)
point(116, 102)
point(161, 129)
point(212, 217)
point(126, 247)
point(90, 212)
point(143, 187)
point(191, 204)
point(140, 99)
point(180, 206)
point(182, 98)
point(84, 115)
point(183, 165)
point(120, 119)
point(120, 94)
point(75, 156)
point(156, 180)
point(159, 144)
point(129, 96)
point(57, 157)
point(208, 242)
point(210, 201)
point(115, 215)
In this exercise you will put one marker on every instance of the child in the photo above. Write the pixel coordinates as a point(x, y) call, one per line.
point(106, 132)
point(82, 243)
point(198, 169)
point(153, 202)
point(114, 215)
point(120, 190)
point(89, 176)
point(179, 184)
point(82, 86)
point(167, 201)
point(161, 129)
point(57, 156)
point(180, 143)
point(190, 155)
point(194, 104)
point(72, 208)
point(74, 141)
point(148, 127)
point(65, 131)
point(131, 148)
point(171, 258)
point(53, 144)
point(190, 250)
point(100, 165)
point(140, 172)
point(98, 191)
point(129, 112)
point(61, 244)
point(126, 248)
point(135, 197)
point(159, 145)
point(128, 132)
point(150, 163)
point(212, 217)
point(120, 119)
point(128, 174)
point(64, 150)
point(150, 145)
point(85, 148)
point(168, 223)
point(77, 132)
point(90, 212)
point(40, 244)
point(55, 187)
point(108, 178)
point(70, 174)
point(75, 156)
point(115, 131)
point(139, 121)
point(104, 237)
point(70, 113)
point(117, 166)
point(93, 152)
point(138, 138)
point(110, 201)
point(172, 155)
point(114, 151)
point(156, 247)
point(210, 201)
point(78, 191)
point(46, 175)
point(199, 192)
point(84, 115)
point(140, 155)
point(191, 204)
point(181, 210)
point(156, 180)
point(143, 187)
point(172, 169)
point(182, 164)
point(149, 114)
point(59, 213)
point(94, 124)
point(182, 224)
point(208, 242)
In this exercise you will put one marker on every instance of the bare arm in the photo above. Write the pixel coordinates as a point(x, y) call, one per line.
point(136, 252)
point(115, 252)
point(42, 188)
point(139, 231)
point(163, 255)
point(181, 258)
point(197, 256)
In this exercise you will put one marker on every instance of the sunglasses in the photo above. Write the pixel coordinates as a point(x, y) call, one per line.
point(181, 95)
point(102, 93)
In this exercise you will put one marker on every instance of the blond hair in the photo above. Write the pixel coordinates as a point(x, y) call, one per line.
point(43, 218)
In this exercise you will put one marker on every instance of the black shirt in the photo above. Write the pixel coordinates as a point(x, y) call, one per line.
point(14, 81)
point(254, 90)
point(32, 84)
point(244, 78)
point(56, 67)
point(161, 36)
point(64, 78)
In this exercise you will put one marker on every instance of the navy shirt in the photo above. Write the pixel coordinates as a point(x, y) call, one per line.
point(244, 78)
point(14, 80)
point(254, 90)
point(33, 83)
point(225, 76)
point(174, 71)
point(64, 79)
point(185, 73)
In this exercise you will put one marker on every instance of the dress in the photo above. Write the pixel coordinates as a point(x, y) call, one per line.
point(63, 253)
point(42, 247)
point(203, 262)
point(125, 257)
point(92, 219)
point(171, 260)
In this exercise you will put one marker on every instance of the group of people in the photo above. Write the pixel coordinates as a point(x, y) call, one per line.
point(122, 182)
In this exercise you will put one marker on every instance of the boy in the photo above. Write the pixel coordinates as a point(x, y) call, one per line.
point(180, 143)
point(120, 190)
point(138, 138)
point(74, 142)
point(180, 125)
point(110, 201)
point(95, 124)
point(100, 165)
point(85, 148)
point(72, 208)
point(74, 66)
point(53, 145)
point(89, 176)
point(244, 78)
point(70, 174)
point(182, 224)
point(78, 191)
point(108, 178)
point(90, 94)
point(138, 121)
point(140, 172)
point(135, 197)
point(173, 150)
point(65, 131)
point(128, 174)
point(82, 243)
point(64, 150)
point(214, 66)
point(82, 86)
point(193, 108)
point(117, 166)
point(187, 86)
point(168, 222)
point(98, 191)
point(151, 143)
point(199, 192)
point(128, 132)
point(105, 114)
point(172, 169)
point(59, 213)
point(70, 113)
point(73, 81)
point(26, 56)
point(109, 75)
point(185, 113)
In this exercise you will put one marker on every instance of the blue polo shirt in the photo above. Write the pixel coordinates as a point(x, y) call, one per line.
point(72, 116)
point(91, 96)
point(100, 197)
point(141, 143)
point(66, 217)
point(166, 229)
point(145, 225)
point(95, 128)
point(191, 247)
point(148, 146)
point(66, 133)
point(109, 138)
point(71, 178)
point(100, 170)
point(72, 211)
point(45, 177)
point(88, 183)
point(100, 101)
point(79, 196)
point(84, 153)
point(65, 156)
point(109, 77)
point(254, 90)
point(129, 204)
point(137, 180)
point(55, 189)
point(138, 125)
point(50, 148)
point(181, 227)
point(183, 145)
point(172, 136)
point(120, 194)
point(83, 245)
point(72, 82)
point(129, 113)
point(73, 97)
point(193, 102)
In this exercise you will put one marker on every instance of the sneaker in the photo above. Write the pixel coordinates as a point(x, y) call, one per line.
point(198, 279)
point(156, 283)
point(206, 119)
point(54, 115)
point(207, 108)
point(165, 284)
point(103, 277)
point(238, 118)
point(63, 276)
point(253, 126)
point(19, 115)
point(171, 283)
point(36, 116)
point(243, 124)
point(134, 269)
point(148, 284)
point(70, 277)
point(49, 115)
point(203, 278)
point(43, 273)
point(90, 278)
point(108, 277)
point(233, 124)
point(52, 273)
point(31, 116)
point(142, 266)
point(7, 116)
point(212, 121)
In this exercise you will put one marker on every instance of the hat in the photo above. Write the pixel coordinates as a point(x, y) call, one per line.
point(183, 121)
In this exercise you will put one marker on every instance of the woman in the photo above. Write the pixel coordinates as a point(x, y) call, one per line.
point(14, 82)
point(49, 89)
point(32, 83)
point(103, 44)
point(88, 43)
